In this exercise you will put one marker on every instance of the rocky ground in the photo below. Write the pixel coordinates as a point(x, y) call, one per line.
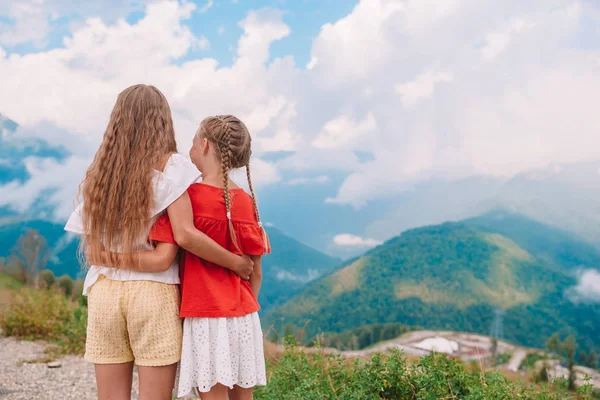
point(66, 378)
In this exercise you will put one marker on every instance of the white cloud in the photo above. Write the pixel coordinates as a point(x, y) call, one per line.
point(496, 42)
point(499, 115)
point(58, 182)
point(312, 63)
point(348, 240)
point(344, 132)
point(588, 287)
point(31, 23)
point(305, 181)
point(260, 30)
point(262, 172)
point(74, 89)
point(311, 275)
point(33, 20)
point(421, 87)
point(206, 6)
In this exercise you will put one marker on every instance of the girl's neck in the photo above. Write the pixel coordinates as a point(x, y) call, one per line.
point(212, 171)
point(215, 178)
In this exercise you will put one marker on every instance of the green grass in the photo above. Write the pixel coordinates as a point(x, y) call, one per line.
point(7, 282)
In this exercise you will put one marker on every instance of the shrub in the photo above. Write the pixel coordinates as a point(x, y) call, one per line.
point(66, 284)
point(78, 293)
point(16, 271)
point(297, 375)
point(46, 314)
point(542, 375)
point(47, 278)
point(531, 359)
point(361, 337)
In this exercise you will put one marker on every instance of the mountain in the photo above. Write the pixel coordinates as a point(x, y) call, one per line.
point(455, 276)
point(563, 195)
point(545, 242)
point(289, 268)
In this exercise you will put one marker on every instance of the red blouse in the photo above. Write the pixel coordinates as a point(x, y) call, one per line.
point(209, 290)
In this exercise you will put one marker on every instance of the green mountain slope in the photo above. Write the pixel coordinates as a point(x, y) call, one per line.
point(291, 266)
point(453, 276)
point(545, 242)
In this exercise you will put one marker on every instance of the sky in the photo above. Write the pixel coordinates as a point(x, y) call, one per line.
point(351, 104)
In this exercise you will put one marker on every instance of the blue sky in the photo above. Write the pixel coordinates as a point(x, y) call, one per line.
point(220, 26)
point(355, 106)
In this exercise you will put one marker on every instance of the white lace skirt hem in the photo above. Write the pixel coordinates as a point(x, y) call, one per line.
point(228, 351)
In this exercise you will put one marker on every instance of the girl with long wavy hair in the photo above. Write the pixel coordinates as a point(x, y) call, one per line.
point(133, 316)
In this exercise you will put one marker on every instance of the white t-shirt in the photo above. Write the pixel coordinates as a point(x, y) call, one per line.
point(179, 173)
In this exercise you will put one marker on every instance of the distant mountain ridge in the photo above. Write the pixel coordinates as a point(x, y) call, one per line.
point(454, 276)
point(289, 268)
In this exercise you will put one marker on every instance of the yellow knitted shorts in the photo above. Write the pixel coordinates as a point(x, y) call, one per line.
point(133, 321)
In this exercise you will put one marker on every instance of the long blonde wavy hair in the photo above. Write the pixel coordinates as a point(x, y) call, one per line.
point(117, 189)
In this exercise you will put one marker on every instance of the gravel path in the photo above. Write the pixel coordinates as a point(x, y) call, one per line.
point(19, 380)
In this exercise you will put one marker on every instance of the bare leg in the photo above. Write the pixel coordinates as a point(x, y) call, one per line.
point(238, 393)
point(114, 381)
point(217, 392)
point(156, 383)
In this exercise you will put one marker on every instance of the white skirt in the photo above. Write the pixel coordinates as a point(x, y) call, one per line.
point(228, 351)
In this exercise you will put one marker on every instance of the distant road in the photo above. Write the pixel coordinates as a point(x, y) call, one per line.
point(515, 361)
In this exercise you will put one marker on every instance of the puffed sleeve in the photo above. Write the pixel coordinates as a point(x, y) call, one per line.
point(75, 222)
point(173, 181)
point(161, 231)
point(252, 238)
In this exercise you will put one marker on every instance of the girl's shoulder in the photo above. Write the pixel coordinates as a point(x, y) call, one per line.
point(209, 201)
point(208, 189)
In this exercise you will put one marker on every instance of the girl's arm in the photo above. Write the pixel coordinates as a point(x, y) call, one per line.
point(157, 260)
point(256, 276)
point(197, 243)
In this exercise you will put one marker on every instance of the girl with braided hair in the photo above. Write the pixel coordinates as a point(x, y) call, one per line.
point(222, 355)
point(133, 313)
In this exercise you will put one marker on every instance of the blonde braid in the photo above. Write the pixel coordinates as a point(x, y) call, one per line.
point(252, 193)
point(226, 158)
point(232, 142)
point(264, 232)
